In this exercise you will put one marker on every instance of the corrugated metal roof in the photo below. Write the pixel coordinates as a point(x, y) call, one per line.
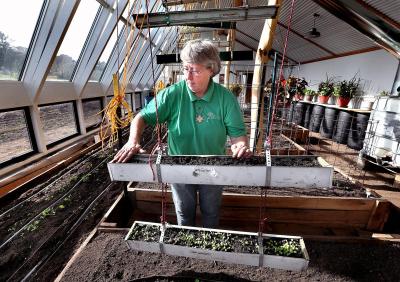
point(337, 37)
point(391, 8)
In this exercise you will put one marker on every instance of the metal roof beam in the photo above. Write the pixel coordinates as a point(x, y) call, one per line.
point(365, 21)
point(181, 2)
point(206, 16)
point(225, 56)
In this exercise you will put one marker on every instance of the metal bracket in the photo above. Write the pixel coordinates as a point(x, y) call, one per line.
point(160, 243)
point(268, 166)
point(260, 250)
point(158, 166)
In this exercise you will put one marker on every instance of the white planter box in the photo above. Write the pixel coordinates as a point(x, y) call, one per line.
point(281, 176)
point(153, 247)
point(287, 263)
point(281, 262)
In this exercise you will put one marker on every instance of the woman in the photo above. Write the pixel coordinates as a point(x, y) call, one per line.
point(200, 114)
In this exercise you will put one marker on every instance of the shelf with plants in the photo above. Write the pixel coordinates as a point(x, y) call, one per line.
point(293, 171)
point(267, 250)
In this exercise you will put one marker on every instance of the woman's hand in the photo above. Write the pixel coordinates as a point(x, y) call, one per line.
point(127, 151)
point(132, 147)
point(240, 148)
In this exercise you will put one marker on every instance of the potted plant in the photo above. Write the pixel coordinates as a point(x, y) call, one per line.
point(301, 84)
point(291, 86)
point(345, 90)
point(235, 88)
point(309, 94)
point(325, 90)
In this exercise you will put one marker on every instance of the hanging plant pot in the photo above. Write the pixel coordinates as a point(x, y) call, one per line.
point(343, 101)
point(267, 250)
point(323, 99)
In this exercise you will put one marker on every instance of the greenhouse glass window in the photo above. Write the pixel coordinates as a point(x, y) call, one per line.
point(16, 29)
point(104, 58)
point(59, 122)
point(92, 113)
point(15, 136)
point(74, 41)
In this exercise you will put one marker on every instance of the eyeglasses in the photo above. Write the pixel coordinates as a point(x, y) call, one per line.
point(194, 72)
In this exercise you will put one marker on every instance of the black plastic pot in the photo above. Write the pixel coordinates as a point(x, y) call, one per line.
point(316, 118)
point(308, 115)
point(329, 122)
point(298, 113)
point(357, 131)
point(290, 112)
point(341, 133)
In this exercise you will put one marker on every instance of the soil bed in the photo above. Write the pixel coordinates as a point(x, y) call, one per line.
point(229, 161)
point(107, 258)
point(341, 187)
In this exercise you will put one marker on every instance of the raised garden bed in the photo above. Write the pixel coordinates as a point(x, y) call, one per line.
point(275, 251)
point(293, 171)
point(297, 133)
point(319, 217)
point(286, 146)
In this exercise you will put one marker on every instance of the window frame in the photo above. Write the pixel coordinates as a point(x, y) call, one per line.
point(93, 127)
point(32, 138)
point(77, 123)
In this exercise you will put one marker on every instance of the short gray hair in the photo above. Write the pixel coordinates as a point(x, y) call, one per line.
point(202, 52)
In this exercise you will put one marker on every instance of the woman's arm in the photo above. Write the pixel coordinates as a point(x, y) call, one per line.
point(133, 146)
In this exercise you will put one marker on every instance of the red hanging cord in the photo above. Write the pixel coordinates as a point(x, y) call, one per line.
point(158, 126)
point(269, 139)
point(263, 193)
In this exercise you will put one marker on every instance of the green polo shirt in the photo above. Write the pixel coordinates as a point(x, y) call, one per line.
point(197, 126)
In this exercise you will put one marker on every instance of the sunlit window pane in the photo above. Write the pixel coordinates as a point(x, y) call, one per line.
point(58, 121)
point(71, 47)
point(17, 22)
point(101, 64)
point(14, 135)
point(92, 113)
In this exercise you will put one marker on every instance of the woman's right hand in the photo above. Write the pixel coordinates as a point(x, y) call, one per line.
point(127, 151)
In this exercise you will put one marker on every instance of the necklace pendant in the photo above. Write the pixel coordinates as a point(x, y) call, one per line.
point(199, 119)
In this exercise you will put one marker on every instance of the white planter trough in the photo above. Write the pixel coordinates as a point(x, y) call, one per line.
point(315, 173)
point(244, 240)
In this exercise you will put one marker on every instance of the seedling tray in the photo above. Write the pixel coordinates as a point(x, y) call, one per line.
point(253, 247)
point(286, 171)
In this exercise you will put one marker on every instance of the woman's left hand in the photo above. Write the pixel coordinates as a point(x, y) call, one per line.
point(240, 150)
